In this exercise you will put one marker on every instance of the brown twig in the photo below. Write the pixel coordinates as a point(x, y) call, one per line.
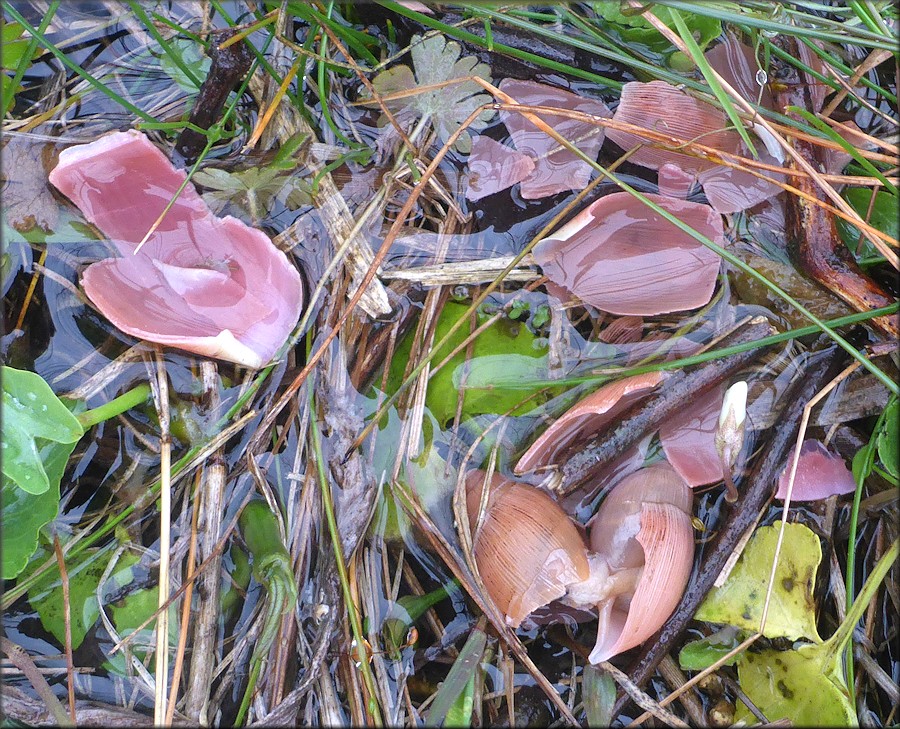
point(67, 623)
point(24, 663)
point(229, 65)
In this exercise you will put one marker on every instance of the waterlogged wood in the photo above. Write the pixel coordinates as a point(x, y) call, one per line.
point(229, 66)
point(812, 232)
point(684, 386)
point(825, 365)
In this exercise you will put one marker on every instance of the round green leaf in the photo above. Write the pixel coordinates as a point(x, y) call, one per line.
point(32, 415)
point(792, 609)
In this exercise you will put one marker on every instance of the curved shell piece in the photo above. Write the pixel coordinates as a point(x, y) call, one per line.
point(494, 167)
point(556, 169)
point(585, 418)
point(205, 284)
point(615, 525)
point(663, 108)
point(689, 439)
point(820, 474)
point(527, 549)
point(622, 257)
point(667, 540)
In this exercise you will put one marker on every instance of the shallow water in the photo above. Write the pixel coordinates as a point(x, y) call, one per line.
point(411, 451)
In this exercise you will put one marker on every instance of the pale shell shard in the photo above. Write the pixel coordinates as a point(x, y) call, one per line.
point(585, 418)
point(556, 169)
point(209, 285)
point(689, 440)
point(658, 483)
point(622, 257)
point(494, 167)
point(527, 549)
point(663, 108)
point(820, 474)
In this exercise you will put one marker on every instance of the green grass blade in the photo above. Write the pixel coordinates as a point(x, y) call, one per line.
point(163, 43)
point(25, 62)
point(74, 67)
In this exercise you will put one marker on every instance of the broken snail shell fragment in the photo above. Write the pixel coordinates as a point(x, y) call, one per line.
point(529, 553)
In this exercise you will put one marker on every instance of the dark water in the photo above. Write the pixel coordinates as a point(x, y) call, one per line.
point(68, 343)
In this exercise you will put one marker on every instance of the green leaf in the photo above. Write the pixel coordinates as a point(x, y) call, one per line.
point(191, 55)
point(24, 515)
point(889, 439)
point(792, 611)
point(127, 615)
point(808, 685)
point(437, 60)
point(32, 415)
point(700, 654)
point(883, 216)
point(795, 685)
point(84, 572)
point(599, 693)
point(634, 28)
point(491, 380)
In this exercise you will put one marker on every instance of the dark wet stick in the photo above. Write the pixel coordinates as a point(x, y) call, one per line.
point(760, 487)
point(646, 415)
point(812, 231)
point(228, 68)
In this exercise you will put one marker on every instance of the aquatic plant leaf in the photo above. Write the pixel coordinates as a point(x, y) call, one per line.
point(598, 691)
point(190, 53)
point(796, 685)
point(437, 60)
point(495, 385)
point(889, 440)
point(883, 216)
point(14, 48)
point(808, 685)
point(32, 414)
point(24, 515)
point(634, 28)
point(792, 609)
point(700, 654)
point(127, 615)
point(27, 200)
point(85, 573)
point(253, 190)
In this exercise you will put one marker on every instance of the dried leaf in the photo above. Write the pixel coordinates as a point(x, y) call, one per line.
point(27, 201)
point(436, 61)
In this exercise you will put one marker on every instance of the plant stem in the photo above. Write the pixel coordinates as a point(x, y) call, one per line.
point(362, 659)
point(121, 404)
